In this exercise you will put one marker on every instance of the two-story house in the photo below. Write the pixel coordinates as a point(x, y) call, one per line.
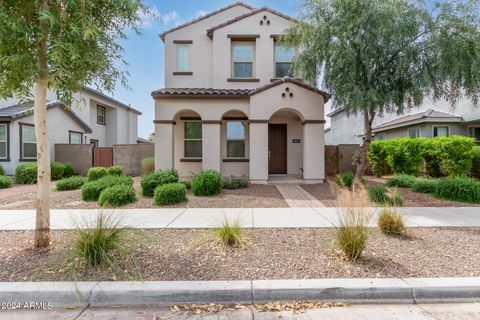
point(93, 118)
point(229, 103)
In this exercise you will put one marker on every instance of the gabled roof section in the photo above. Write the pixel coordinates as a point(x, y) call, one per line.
point(26, 109)
point(299, 83)
point(208, 15)
point(428, 115)
point(115, 101)
point(211, 30)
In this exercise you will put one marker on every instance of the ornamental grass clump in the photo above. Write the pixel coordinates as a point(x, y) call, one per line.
point(169, 194)
point(391, 222)
point(71, 183)
point(345, 179)
point(230, 233)
point(353, 218)
point(148, 165)
point(385, 196)
point(116, 196)
point(207, 183)
point(401, 181)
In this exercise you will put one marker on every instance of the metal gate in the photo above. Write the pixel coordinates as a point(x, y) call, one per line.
point(103, 157)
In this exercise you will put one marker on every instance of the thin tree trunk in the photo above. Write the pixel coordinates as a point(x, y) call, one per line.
point(42, 224)
point(367, 138)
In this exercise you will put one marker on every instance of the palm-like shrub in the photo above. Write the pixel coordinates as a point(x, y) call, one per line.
point(118, 195)
point(169, 194)
point(71, 183)
point(207, 183)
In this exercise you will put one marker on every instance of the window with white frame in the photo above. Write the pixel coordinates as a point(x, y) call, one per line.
point(75, 137)
point(441, 131)
point(474, 132)
point(236, 139)
point(101, 115)
point(283, 60)
point(193, 139)
point(242, 57)
point(182, 57)
point(3, 141)
point(28, 143)
point(414, 132)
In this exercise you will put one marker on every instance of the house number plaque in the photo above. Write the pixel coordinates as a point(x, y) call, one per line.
point(295, 140)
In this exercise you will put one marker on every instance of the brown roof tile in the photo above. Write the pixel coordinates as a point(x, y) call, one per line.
point(211, 30)
point(162, 35)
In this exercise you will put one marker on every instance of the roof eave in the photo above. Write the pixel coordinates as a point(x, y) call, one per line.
point(417, 121)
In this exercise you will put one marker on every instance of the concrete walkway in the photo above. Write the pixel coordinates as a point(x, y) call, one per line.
point(296, 196)
point(182, 218)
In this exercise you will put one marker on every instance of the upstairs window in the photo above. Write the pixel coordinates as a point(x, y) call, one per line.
point(3, 141)
point(236, 139)
point(182, 57)
point(441, 131)
point(283, 61)
point(242, 59)
point(100, 115)
point(193, 139)
point(28, 143)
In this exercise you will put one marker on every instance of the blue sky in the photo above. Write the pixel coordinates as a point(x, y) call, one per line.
point(145, 53)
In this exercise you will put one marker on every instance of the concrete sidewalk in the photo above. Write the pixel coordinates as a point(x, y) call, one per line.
point(183, 218)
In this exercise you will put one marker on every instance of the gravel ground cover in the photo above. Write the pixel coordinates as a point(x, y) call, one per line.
point(255, 196)
point(266, 254)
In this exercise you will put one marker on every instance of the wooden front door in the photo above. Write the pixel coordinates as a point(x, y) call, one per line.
point(277, 148)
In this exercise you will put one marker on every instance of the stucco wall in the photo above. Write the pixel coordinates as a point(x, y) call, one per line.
point(80, 155)
point(130, 156)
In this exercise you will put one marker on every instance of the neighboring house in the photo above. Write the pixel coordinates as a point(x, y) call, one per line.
point(229, 105)
point(93, 118)
point(431, 119)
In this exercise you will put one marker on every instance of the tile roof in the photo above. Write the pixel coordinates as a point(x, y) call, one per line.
point(428, 114)
point(231, 93)
point(22, 110)
point(162, 35)
point(211, 30)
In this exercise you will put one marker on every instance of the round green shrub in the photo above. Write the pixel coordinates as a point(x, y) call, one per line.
point(57, 170)
point(2, 170)
point(401, 181)
point(117, 196)
point(425, 185)
point(345, 179)
point(115, 171)
point(70, 183)
point(26, 173)
point(151, 181)
point(170, 193)
point(96, 173)
point(92, 189)
point(68, 170)
point(207, 183)
point(5, 182)
point(461, 189)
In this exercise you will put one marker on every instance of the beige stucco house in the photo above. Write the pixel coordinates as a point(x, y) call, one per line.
point(229, 103)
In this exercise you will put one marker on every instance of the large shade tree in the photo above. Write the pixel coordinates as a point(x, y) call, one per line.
point(378, 56)
point(61, 45)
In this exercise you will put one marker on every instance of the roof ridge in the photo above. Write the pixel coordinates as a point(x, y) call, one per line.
point(208, 15)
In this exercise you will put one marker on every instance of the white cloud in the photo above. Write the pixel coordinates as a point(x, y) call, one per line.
point(170, 17)
point(148, 20)
point(200, 13)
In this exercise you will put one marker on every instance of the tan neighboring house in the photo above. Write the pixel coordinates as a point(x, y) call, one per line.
point(229, 103)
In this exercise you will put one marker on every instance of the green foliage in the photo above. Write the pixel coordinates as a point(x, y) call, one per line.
point(96, 173)
point(404, 155)
point(115, 171)
point(117, 195)
point(475, 172)
point(187, 183)
point(461, 189)
point(68, 170)
point(425, 185)
point(345, 179)
point(235, 183)
point(57, 170)
point(5, 182)
point(26, 173)
point(391, 222)
point(70, 183)
point(230, 234)
point(92, 189)
point(170, 193)
point(148, 165)
point(151, 181)
point(2, 170)
point(401, 181)
point(454, 154)
point(377, 157)
point(383, 196)
point(207, 183)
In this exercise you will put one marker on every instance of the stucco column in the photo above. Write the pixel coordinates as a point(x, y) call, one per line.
point(259, 152)
point(313, 151)
point(164, 144)
point(211, 145)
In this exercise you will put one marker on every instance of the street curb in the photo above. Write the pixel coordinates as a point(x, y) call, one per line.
point(166, 293)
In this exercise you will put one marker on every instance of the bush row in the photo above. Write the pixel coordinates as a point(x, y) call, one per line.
point(96, 173)
point(440, 156)
point(27, 173)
